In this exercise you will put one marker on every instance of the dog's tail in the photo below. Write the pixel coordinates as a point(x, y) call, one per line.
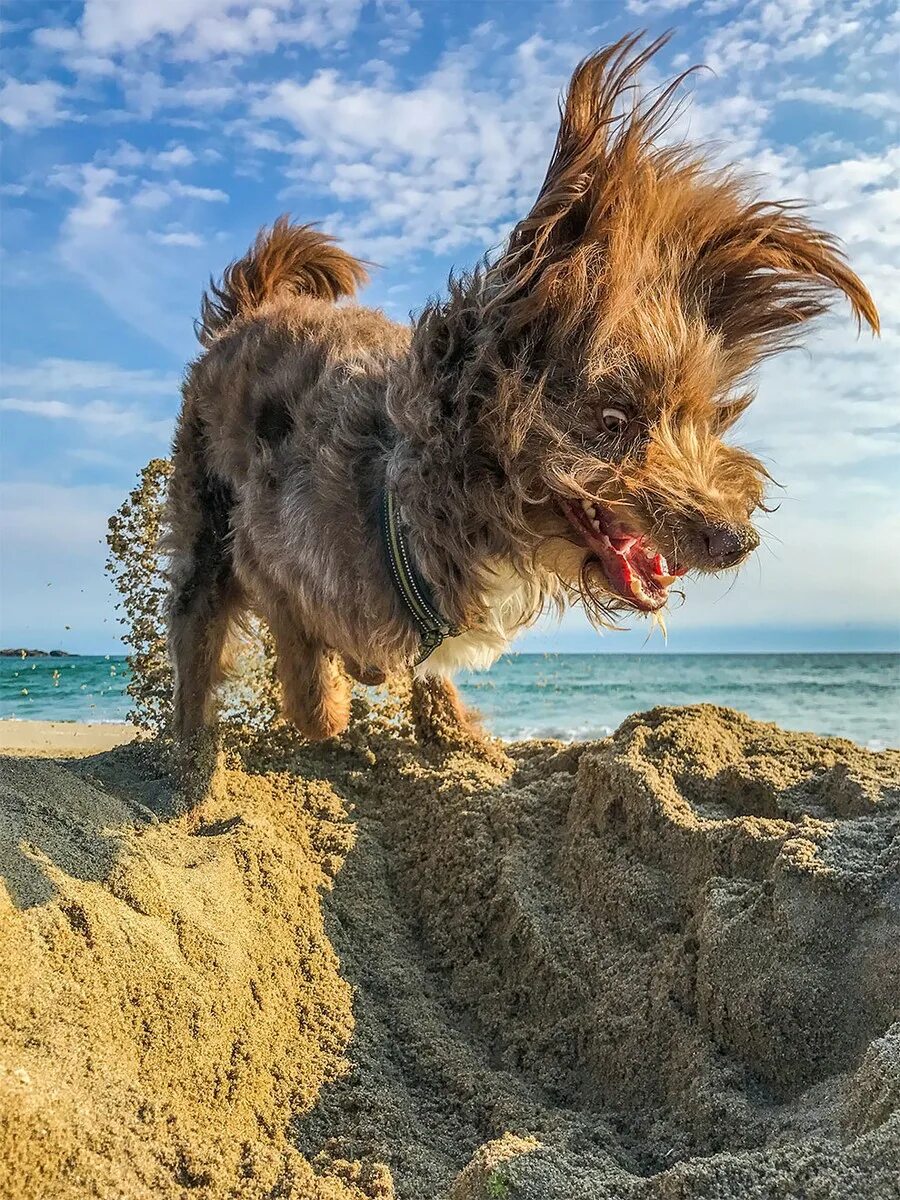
point(285, 258)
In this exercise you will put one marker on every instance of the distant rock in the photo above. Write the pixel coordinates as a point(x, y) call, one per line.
point(21, 653)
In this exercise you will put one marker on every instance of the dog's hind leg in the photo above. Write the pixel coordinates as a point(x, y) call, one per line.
point(202, 610)
point(204, 595)
point(315, 691)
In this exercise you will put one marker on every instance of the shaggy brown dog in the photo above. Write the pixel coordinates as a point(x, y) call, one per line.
point(552, 429)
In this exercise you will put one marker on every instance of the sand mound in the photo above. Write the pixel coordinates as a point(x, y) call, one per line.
point(662, 965)
point(167, 993)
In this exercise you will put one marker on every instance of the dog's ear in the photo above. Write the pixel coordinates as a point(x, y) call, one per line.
point(603, 138)
point(729, 412)
point(767, 272)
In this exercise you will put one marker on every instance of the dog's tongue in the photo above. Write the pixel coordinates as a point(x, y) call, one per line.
point(633, 573)
point(637, 575)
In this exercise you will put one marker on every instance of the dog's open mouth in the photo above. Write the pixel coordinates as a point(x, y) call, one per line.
point(635, 571)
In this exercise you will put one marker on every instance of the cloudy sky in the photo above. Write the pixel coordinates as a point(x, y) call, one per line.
point(147, 141)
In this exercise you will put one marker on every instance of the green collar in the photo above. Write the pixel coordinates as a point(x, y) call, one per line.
point(412, 588)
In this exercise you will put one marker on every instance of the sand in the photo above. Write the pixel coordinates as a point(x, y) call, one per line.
point(62, 738)
point(662, 965)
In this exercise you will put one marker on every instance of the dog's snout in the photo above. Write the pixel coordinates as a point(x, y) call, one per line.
point(726, 545)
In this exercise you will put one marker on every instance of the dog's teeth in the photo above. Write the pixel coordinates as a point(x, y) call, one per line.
point(589, 508)
point(663, 565)
point(665, 580)
point(635, 584)
point(595, 523)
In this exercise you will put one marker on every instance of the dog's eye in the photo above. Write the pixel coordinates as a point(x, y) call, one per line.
point(614, 420)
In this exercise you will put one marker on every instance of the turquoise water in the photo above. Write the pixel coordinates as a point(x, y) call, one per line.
point(567, 696)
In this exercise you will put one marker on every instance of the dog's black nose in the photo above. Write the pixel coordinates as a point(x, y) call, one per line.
point(728, 544)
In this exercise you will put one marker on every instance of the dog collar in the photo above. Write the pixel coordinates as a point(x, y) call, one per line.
point(412, 588)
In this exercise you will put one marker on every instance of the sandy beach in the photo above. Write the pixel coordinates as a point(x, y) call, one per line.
point(662, 965)
point(62, 738)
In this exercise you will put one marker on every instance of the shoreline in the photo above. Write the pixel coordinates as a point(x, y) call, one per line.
point(24, 736)
point(50, 739)
point(605, 651)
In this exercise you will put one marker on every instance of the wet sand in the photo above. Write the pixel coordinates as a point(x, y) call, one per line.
point(62, 738)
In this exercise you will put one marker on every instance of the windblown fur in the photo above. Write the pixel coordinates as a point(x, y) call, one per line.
point(643, 284)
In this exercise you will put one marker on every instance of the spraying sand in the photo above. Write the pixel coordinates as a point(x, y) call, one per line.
point(662, 965)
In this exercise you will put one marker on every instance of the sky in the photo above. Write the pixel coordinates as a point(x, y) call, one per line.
point(147, 140)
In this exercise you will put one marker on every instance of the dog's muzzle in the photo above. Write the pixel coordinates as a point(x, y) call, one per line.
point(727, 545)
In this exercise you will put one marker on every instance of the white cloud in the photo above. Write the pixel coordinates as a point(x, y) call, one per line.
point(142, 283)
point(102, 400)
point(129, 156)
point(107, 240)
point(157, 195)
point(80, 375)
point(90, 394)
point(31, 105)
point(95, 208)
point(177, 238)
point(178, 156)
point(768, 32)
point(827, 51)
point(95, 212)
point(642, 8)
point(191, 192)
point(147, 92)
point(106, 418)
point(199, 29)
point(883, 105)
point(447, 163)
point(404, 24)
point(152, 196)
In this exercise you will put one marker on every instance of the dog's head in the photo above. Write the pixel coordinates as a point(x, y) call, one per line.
point(608, 347)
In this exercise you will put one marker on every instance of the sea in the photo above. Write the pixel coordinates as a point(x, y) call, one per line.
point(567, 696)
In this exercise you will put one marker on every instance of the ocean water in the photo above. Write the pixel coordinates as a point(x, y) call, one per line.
point(566, 696)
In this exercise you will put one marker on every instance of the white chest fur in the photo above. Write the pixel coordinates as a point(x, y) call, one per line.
point(510, 602)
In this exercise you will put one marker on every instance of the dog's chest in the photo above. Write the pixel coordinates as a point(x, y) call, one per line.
point(510, 604)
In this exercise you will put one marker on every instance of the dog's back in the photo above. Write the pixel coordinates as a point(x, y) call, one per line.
point(277, 345)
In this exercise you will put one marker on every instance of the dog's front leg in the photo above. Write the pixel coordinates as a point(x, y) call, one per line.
point(442, 722)
point(438, 713)
point(315, 692)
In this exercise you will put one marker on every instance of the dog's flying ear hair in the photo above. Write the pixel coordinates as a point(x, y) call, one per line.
point(766, 272)
point(753, 271)
point(604, 133)
point(729, 412)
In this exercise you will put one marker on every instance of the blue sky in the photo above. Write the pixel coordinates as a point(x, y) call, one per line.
point(145, 142)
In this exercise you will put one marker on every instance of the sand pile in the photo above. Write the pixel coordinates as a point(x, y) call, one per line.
point(167, 992)
point(663, 965)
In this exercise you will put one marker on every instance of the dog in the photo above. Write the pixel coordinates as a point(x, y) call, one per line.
point(551, 431)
